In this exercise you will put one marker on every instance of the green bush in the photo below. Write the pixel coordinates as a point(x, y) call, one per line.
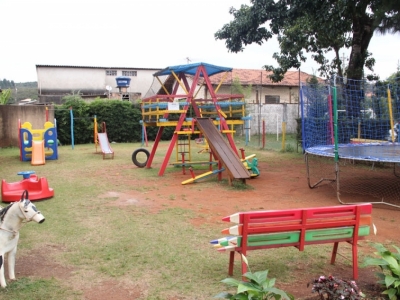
point(121, 119)
point(389, 263)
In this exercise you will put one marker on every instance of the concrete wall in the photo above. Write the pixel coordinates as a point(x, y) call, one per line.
point(273, 115)
point(10, 114)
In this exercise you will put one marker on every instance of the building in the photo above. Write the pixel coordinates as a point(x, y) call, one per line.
point(263, 90)
point(54, 82)
point(269, 101)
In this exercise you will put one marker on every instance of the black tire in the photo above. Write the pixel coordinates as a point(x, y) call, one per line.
point(134, 157)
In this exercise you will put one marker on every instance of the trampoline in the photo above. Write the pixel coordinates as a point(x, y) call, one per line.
point(346, 126)
point(374, 152)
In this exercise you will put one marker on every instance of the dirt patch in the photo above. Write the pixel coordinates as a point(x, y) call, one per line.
point(112, 289)
point(38, 264)
point(280, 185)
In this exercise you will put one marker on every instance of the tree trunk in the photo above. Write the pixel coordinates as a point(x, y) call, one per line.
point(362, 33)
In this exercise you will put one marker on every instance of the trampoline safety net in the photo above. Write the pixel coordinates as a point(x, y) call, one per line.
point(350, 135)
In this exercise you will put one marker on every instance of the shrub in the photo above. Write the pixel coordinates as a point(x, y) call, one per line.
point(260, 287)
point(389, 277)
point(334, 288)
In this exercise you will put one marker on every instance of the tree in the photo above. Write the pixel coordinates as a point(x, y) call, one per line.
point(318, 27)
point(237, 88)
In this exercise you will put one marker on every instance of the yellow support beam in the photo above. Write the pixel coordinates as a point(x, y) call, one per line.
point(180, 83)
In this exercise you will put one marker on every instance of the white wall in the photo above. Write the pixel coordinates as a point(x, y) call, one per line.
point(273, 115)
point(80, 78)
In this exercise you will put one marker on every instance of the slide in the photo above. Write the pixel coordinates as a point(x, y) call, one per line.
point(105, 145)
point(38, 153)
point(222, 149)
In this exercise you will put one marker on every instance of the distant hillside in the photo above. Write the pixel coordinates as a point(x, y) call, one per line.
point(32, 84)
point(20, 90)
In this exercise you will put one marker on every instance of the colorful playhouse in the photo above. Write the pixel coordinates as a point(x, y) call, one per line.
point(37, 145)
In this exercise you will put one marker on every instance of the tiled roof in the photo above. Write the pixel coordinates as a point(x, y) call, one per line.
point(258, 77)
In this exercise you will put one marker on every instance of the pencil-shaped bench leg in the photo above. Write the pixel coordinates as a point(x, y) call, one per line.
point(231, 262)
point(244, 265)
point(355, 261)
point(334, 252)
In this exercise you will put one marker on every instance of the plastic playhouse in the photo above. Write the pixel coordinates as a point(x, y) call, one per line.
point(38, 188)
point(37, 145)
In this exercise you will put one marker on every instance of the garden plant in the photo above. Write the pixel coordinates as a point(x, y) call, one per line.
point(389, 264)
point(257, 287)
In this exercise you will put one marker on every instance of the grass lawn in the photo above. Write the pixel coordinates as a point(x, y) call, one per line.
point(159, 254)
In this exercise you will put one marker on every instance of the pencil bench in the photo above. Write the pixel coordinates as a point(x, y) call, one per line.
point(256, 230)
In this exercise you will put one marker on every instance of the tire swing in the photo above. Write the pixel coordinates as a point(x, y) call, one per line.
point(135, 160)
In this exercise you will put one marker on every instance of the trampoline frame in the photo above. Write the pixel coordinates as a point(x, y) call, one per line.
point(337, 176)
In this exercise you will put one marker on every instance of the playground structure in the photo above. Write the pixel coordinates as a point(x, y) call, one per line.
point(345, 128)
point(38, 188)
point(101, 139)
point(37, 145)
point(176, 104)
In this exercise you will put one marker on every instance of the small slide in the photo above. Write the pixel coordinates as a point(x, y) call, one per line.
point(38, 155)
point(105, 145)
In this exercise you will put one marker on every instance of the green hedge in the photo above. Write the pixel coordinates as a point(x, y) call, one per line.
point(121, 118)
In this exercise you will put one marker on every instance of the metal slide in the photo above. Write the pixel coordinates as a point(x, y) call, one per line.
point(105, 145)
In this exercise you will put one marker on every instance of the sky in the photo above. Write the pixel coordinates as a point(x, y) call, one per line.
point(137, 34)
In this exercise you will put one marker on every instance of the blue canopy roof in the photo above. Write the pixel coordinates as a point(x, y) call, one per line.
point(191, 69)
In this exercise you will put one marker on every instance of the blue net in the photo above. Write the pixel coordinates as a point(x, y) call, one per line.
point(366, 114)
point(363, 133)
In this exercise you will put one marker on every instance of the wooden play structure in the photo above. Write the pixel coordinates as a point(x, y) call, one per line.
point(177, 104)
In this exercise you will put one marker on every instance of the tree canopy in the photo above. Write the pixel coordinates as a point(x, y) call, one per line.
point(7, 84)
point(318, 27)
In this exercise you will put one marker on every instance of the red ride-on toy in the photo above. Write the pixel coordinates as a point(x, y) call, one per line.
point(38, 188)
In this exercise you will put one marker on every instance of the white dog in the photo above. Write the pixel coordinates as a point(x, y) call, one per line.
point(11, 218)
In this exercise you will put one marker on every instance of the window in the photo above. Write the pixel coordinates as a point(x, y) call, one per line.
point(129, 73)
point(111, 72)
point(272, 99)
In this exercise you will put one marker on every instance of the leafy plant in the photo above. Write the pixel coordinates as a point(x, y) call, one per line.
point(5, 95)
point(260, 287)
point(238, 88)
point(334, 288)
point(390, 267)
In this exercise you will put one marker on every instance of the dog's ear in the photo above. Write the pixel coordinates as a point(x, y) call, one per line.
point(1, 261)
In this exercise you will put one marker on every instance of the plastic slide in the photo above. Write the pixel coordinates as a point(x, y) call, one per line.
point(38, 155)
point(105, 145)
